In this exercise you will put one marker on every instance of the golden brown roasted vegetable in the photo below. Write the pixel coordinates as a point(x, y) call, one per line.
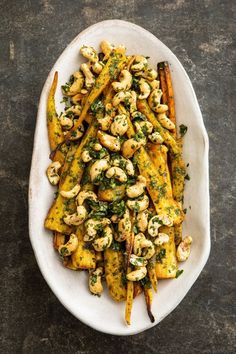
point(177, 164)
point(61, 206)
point(166, 265)
point(178, 172)
point(114, 272)
point(111, 195)
point(152, 274)
point(167, 91)
point(55, 133)
point(158, 155)
point(148, 298)
point(58, 240)
point(171, 102)
point(129, 302)
point(163, 85)
point(137, 289)
point(69, 158)
point(144, 108)
point(83, 257)
point(155, 184)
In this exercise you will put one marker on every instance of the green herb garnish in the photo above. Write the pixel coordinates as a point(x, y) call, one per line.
point(161, 255)
point(183, 129)
point(179, 272)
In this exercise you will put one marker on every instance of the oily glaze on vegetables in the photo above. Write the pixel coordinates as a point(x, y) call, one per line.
point(118, 165)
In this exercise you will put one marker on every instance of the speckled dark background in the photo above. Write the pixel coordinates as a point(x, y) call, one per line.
point(32, 36)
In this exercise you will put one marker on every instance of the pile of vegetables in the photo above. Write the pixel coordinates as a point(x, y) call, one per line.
point(117, 163)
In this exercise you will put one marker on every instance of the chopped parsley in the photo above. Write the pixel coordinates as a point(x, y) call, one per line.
point(179, 272)
point(161, 255)
point(145, 282)
point(187, 177)
point(67, 102)
point(135, 84)
point(68, 84)
point(118, 208)
point(183, 129)
point(93, 279)
point(96, 107)
point(116, 246)
point(99, 209)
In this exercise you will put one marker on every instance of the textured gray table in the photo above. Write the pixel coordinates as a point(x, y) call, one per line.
point(32, 35)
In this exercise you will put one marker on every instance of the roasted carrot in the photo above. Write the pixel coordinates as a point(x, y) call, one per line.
point(177, 165)
point(130, 284)
point(163, 85)
point(129, 301)
point(148, 298)
point(55, 133)
point(58, 240)
point(171, 102)
point(152, 273)
point(61, 206)
point(137, 289)
point(144, 108)
point(155, 182)
point(129, 242)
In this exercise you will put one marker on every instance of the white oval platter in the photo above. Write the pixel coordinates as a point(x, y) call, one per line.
point(71, 287)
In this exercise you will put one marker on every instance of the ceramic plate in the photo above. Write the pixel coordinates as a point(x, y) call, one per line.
point(71, 287)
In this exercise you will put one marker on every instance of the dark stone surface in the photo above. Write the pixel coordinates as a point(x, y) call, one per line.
point(32, 35)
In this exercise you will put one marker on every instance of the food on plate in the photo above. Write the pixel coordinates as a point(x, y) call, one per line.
point(118, 167)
